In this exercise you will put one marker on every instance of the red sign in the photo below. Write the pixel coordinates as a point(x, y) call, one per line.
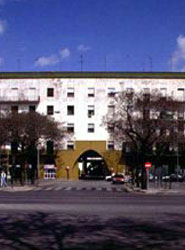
point(148, 165)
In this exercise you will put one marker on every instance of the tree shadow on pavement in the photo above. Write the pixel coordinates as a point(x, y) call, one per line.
point(69, 232)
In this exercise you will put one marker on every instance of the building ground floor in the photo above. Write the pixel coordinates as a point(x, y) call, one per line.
point(87, 160)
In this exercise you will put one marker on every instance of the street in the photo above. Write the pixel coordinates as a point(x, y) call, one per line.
point(82, 219)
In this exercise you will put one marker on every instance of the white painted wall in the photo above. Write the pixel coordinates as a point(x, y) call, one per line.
point(81, 99)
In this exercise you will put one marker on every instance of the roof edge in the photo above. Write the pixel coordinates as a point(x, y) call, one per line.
point(92, 74)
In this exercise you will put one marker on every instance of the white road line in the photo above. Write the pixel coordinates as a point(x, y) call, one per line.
point(79, 188)
point(109, 189)
point(49, 188)
point(99, 189)
point(58, 188)
point(118, 189)
point(68, 188)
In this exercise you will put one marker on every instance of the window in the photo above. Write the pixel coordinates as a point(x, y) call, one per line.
point(90, 128)
point(70, 92)
point(111, 92)
point(14, 147)
point(91, 110)
point(130, 90)
point(111, 109)
point(181, 126)
point(50, 92)
point(14, 93)
point(146, 90)
point(180, 93)
point(163, 92)
point(32, 108)
point(14, 109)
point(50, 110)
point(146, 94)
point(49, 147)
point(181, 115)
point(70, 127)
point(110, 128)
point(146, 113)
point(32, 93)
point(70, 110)
point(70, 145)
point(91, 92)
point(110, 145)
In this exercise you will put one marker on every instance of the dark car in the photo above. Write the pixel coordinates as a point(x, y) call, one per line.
point(118, 179)
point(176, 177)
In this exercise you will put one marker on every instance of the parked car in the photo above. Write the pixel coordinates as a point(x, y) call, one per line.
point(118, 179)
point(152, 177)
point(166, 178)
point(173, 178)
point(108, 178)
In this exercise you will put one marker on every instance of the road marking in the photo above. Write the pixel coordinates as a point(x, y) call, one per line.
point(109, 189)
point(78, 188)
point(68, 188)
point(49, 188)
point(118, 189)
point(58, 188)
point(99, 189)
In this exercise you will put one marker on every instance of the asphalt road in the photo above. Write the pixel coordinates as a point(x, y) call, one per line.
point(91, 220)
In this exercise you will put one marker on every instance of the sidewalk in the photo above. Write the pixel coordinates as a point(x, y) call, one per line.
point(177, 188)
point(60, 183)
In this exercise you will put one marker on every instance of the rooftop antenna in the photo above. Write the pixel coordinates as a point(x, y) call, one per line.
point(105, 63)
point(171, 64)
point(151, 63)
point(81, 62)
point(18, 64)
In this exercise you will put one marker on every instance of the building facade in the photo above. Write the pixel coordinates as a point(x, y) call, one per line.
point(79, 101)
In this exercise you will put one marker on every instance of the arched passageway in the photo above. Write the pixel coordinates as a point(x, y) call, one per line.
point(91, 165)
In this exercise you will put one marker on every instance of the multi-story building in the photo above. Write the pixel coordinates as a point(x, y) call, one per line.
point(80, 100)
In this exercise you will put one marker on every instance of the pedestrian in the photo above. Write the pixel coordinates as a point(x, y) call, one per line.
point(3, 179)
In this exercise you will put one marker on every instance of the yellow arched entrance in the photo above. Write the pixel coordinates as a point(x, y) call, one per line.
point(91, 165)
point(69, 158)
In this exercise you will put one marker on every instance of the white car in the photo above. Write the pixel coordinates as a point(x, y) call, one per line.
point(109, 177)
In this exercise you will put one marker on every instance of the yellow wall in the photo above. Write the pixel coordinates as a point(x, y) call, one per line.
point(70, 158)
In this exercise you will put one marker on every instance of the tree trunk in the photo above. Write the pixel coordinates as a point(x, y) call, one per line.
point(143, 178)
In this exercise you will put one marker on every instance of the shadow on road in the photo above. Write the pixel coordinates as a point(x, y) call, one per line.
point(58, 231)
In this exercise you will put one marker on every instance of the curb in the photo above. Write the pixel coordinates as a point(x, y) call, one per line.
point(17, 189)
point(153, 191)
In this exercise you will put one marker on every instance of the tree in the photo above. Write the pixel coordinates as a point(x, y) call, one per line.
point(143, 122)
point(26, 131)
point(3, 133)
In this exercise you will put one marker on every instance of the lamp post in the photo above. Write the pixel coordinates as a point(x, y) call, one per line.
point(38, 160)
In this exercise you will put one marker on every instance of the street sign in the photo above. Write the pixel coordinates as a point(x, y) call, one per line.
point(148, 165)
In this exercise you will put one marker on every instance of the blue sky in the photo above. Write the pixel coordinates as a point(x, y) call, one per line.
point(104, 35)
